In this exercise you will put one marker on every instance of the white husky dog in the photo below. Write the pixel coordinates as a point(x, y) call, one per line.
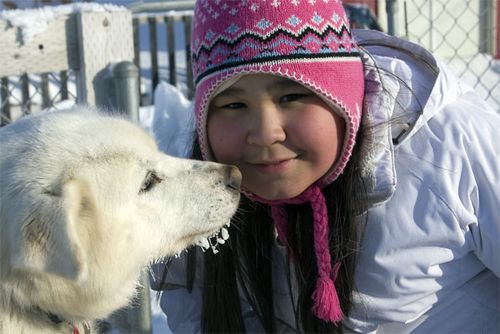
point(86, 201)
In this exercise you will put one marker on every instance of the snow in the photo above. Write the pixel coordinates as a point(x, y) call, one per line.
point(34, 21)
point(173, 123)
point(167, 13)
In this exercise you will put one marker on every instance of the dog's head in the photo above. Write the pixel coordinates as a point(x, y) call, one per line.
point(87, 200)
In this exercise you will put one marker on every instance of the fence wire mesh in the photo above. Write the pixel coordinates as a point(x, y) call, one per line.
point(28, 93)
point(462, 33)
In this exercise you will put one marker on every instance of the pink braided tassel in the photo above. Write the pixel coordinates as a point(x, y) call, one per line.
point(326, 302)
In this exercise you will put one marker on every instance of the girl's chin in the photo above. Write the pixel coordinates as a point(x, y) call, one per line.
point(275, 195)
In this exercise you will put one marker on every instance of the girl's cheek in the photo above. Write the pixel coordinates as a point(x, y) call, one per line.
point(225, 139)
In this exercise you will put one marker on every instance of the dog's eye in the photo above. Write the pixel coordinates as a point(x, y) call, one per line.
point(150, 181)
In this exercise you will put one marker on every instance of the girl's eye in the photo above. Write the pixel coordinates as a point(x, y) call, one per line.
point(151, 179)
point(291, 97)
point(234, 105)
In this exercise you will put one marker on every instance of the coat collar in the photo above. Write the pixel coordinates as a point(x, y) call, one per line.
point(400, 81)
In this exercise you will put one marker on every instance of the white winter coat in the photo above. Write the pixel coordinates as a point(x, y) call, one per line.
point(429, 260)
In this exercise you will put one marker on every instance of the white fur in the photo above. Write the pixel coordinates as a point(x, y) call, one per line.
point(75, 229)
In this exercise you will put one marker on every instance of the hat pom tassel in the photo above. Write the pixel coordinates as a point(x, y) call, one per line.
point(326, 301)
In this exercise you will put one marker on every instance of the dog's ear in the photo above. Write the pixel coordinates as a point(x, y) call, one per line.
point(70, 253)
point(54, 243)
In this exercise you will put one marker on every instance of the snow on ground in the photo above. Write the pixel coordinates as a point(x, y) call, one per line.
point(34, 21)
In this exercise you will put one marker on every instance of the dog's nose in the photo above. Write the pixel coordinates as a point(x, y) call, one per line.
point(232, 178)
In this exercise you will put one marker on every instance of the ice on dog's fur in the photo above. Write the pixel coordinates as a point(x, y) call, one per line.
point(86, 201)
point(213, 240)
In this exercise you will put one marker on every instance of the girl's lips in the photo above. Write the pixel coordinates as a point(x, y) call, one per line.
point(272, 167)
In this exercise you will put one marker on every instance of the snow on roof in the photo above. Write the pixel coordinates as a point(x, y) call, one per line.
point(34, 21)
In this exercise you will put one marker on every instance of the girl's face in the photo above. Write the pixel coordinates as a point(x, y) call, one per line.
point(282, 136)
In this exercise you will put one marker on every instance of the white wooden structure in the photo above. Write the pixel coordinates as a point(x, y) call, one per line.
point(86, 42)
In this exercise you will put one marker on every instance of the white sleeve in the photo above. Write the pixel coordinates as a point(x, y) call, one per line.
point(183, 308)
point(483, 151)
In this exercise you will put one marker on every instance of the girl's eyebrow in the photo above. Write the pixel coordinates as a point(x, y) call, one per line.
point(279, 83)
point(284, 83)
point(230, 92)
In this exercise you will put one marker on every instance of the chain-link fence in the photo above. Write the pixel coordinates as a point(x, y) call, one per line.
point(463, 33)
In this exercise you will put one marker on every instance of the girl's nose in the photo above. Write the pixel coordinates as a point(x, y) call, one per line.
point(266, 127)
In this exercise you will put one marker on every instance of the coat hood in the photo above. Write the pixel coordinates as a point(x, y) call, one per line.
point(405, 87)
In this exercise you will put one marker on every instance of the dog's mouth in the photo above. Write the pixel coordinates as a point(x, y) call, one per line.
point(210, 240)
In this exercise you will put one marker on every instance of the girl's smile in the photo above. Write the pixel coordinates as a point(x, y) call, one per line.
point(281, 135)
point(273, 166)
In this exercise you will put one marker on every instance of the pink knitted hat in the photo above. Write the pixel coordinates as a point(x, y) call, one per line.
point(307, 41)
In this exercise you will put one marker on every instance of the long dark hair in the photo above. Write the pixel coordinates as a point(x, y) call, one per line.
point(245, 262)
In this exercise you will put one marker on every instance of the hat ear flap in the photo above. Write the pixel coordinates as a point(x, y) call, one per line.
point(53, 242)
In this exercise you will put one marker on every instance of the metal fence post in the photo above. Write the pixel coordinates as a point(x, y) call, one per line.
point(486, 27)
point(126, 84)
point(391, 9)
point(140, 313)
point(135, 319)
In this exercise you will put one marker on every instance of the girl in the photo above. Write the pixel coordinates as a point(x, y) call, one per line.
point(369, 173)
